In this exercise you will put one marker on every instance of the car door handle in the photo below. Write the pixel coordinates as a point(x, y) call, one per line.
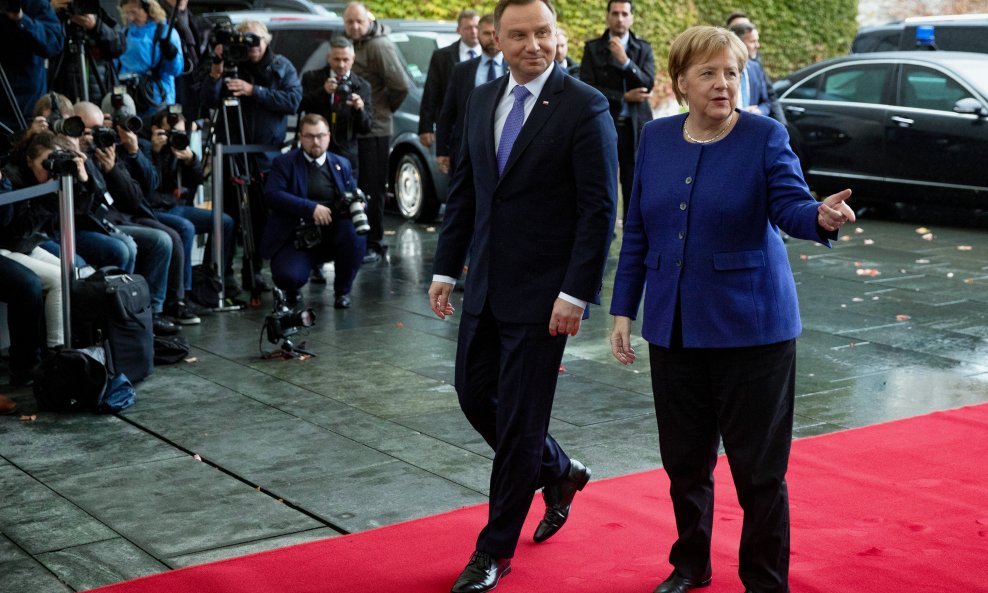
point(793, 110)
point(903, 122)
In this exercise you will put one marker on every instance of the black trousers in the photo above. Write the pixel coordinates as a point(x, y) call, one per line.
point(373, 180)
point(626, 161)
point(21, 289)
point(506, 380)
point(745, 396)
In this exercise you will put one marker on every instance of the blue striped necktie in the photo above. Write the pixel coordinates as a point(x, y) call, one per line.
point(512, 125)
point(491, 72)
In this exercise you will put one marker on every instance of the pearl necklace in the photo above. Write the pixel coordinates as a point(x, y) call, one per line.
point(720, 133)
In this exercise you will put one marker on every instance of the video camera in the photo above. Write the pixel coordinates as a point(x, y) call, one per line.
point(60, 163)
point(236, 45)
point(354, 203)
point(284, 321)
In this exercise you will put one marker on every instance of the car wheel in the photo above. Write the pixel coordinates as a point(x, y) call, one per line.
point(413, 189)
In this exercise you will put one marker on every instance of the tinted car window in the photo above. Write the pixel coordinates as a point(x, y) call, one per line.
point(855, 84)
point(880, 40)
point(305, 49)
point(926, 88)
point(415, 50)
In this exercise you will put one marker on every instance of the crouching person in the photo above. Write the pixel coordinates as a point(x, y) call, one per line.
point(315, 215)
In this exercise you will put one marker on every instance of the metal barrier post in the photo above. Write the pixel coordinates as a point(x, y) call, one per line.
point(66, 218)
point(218, 254)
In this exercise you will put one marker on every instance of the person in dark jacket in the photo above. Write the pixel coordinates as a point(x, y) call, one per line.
point(441, 64)
point(28, 37)
point(269, 90)
point(90, 39)
point(306, 186)
point(622, 67)
point(348, 114)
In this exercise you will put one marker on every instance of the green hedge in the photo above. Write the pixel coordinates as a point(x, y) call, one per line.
point(793, 34)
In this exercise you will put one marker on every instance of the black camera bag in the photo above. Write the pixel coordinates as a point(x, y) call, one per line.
point(206, 286)
point(117, 306)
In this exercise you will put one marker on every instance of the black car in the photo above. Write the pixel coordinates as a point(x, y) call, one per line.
point(897, 127)
point(414, 179)
point(968, 32)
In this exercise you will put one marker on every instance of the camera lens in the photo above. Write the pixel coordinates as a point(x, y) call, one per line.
point(128, 121)
point(104, 137)
point(360, 223)
point(178, 140)
point(70, 126)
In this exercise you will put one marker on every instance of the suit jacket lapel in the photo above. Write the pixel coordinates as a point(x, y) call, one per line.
point(545, 104)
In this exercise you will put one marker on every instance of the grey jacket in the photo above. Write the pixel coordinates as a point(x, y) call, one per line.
point(377, 62)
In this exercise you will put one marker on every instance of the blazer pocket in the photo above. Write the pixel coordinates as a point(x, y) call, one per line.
point(652, 260)
point(739, 260)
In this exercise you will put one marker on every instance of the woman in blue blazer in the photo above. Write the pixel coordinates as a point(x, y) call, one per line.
point(712, 189)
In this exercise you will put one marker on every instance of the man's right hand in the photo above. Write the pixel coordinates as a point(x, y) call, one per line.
point(442, 163)
point(427, 139)
point(439, 298)
point(322, 215)
point(330, 85)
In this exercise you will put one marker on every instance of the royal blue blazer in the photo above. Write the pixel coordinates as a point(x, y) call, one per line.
point(702, 235)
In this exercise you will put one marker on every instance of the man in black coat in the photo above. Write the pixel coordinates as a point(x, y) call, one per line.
point(342, 97)
point(622, 67)
point(441, 68)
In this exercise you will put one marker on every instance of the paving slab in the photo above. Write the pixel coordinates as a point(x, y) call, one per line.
point(100, 563)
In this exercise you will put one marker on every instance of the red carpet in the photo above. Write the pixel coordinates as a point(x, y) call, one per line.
point(895, 508)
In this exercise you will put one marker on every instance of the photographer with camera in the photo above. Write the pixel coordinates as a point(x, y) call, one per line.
point(268, 90)
point(29, 34)
point(180, 171)
point(84, 71)
point(153, 55)
point(342, 97)
point(316, 215)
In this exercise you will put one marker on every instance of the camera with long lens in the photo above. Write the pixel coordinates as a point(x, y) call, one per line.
point(104, 137)
point(60, 163)
point(122, 115)
point(236, 45)
point(354, 203)
point(178, 139)
point(284, 321)
point(69, 126)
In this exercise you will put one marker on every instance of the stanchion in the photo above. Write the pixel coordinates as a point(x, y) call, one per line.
point(218, 254)
point(66, 219)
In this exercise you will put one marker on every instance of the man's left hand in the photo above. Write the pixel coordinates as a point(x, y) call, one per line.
point(106, 157)
point(240, 88)
point(128, 140)
point(86, 21)
point(636, 95)
point(356, 102)
point(566, 318)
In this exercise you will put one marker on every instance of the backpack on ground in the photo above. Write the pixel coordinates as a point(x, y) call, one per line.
point(82, 380)
point(116, 306)
point(206, 286)
point(170, 349)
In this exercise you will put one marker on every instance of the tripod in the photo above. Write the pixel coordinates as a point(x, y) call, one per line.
point(77, 53)
point(15, 109)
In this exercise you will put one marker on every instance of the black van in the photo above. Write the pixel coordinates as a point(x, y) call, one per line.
point(967, 32)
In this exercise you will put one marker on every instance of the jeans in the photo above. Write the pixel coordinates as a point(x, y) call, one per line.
point(154, 250)
point(118, 250)
point(20, 288)
point(192, 221)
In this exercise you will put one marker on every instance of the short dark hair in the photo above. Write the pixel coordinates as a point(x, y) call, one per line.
point(742, 29)
point(312, 119)
point(735, 15)
point(487, 19)
point(465, 14)
point(340, 42)
point(502, 4)
point(628, 2)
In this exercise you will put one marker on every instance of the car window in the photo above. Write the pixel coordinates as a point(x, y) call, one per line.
point(306, 50)
point(415, 50)
point(926, 88)
point(876, 41)
point(860, 83)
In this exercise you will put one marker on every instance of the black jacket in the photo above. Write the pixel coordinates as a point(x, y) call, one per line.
point(601, 71)
point(440, 69)
point(348, 123)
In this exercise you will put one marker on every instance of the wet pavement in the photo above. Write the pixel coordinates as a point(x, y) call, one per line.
point(233, 454)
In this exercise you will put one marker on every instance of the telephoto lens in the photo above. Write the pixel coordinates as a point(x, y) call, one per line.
point(70, 126)
point(127, 120)
point(104, 137)
point(178, 140)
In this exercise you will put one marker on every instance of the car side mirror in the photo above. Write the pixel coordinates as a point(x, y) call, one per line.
point(970, 106)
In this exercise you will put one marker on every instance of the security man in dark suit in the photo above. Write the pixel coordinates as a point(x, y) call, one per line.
point(622, 66)
point(466, 76)
point(532, 201)
point(306, 186)
point(342, 97)
point(441, 68)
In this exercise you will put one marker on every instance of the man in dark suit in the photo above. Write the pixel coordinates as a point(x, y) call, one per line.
point(466, 76)
point(757, 95)
point(622, 66)
point(532, 200)
point(308, 185)
point(571, 66)
point(342, 97)
point(440, 68)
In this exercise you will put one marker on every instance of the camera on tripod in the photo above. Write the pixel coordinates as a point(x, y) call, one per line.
point(236, 45)
point(354, 203)
point(122, 115)
point(60, 163)
point(284, 321)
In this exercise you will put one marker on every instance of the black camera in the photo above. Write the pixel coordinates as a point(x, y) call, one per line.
point(60, 162)
point(306, 235)
point(354, 203)
point(69, 126)
point(285, 321)
point(105, 137)
point(236, 45)
point(123, 116)
point(344, 88)
point(178, 139)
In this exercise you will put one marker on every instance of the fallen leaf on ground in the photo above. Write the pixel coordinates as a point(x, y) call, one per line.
point(869, 241)
point(868, 272)
point(803, 256)
point(29, 418)
point(858, 231)
point(950, 274)
point(857, 299)
point(430, 229)
point(922, 261)
point(963, 248)
point(400, 325)
point(562, 369)
point(902, 317)
point(922, 230)
point(196, 457)
point(845, 238)
point(390, 233)
point(192, 359)
point(928, 237)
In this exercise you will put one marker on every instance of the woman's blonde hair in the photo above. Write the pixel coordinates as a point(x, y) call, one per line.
point(155, 12)
point(697, 44)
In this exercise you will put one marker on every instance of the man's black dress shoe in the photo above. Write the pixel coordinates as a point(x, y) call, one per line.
point(163, 327)
point(481, 574)
point(677, 583)
point(558, 498)
point(342, 301)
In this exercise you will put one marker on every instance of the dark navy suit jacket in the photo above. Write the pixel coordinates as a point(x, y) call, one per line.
point(449, 126)
point(545, 225)
point(703, 234)
point(285, 192)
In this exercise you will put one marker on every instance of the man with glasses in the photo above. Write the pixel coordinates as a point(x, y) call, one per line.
point(309, 187)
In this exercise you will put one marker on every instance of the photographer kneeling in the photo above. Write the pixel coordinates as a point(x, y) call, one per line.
point(316, 215)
